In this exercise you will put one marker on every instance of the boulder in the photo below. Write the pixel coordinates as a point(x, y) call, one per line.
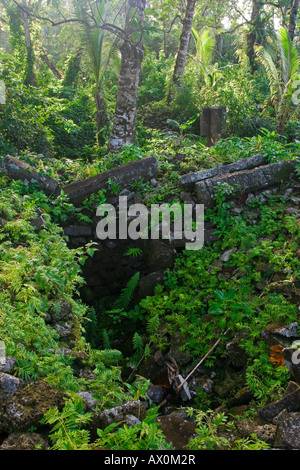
point(9, 385)
point(291, 357)
point(288, 432)
point(28, 406)
point(61, 310)
point(157, 393)
point(116, 415)
point(24, 441)
point(278, 333)
point(264, 432)
point(148, 283)
point(289, 402)
point(88, 399)
point(8, 364)
point(38, 223)
point(18, 170)
point(161, 255)
point(177, 430)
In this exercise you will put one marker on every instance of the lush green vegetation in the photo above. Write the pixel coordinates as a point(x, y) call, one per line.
point(53, 122)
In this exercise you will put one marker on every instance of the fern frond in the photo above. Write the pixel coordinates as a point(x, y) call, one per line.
point(125, 298)
point(109, 357)
point(137, 342)
point(153, 324)
point(106, 339)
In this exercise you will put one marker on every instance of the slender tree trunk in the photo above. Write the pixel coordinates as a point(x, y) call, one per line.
point(184, 44)
point(293, 19)
point(51, 65)
point(251, 37)
point(29, 73)
point(100, 115)
point(124, 126)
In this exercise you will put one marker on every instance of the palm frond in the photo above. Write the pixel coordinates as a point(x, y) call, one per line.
point(289, 57)
point(100, 50)
point(281, 78)
point(268, 63)
point(204, 46)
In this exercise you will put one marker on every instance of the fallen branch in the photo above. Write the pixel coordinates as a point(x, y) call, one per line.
point(199, 363)
point(138, 364)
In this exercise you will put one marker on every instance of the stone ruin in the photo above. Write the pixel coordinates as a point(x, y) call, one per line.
point(110, 266)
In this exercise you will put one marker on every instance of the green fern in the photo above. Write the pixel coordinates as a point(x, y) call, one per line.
point(67, 432)
point(137, 342)
point(153, 324)
point(108, 357)
point(106, 339)
point(134, 251)
point(125, 298)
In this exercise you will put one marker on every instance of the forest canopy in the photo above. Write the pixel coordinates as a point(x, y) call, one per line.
point(71, 59)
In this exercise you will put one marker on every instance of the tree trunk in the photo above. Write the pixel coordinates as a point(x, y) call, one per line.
point(29, 73)
point(132, 53)
point(183, 46)
point(100, 115)
point(51, 65)
point(293, 19)
point(184, 42)
point(251, 36)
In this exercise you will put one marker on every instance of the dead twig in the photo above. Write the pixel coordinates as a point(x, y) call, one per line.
point(200, 362)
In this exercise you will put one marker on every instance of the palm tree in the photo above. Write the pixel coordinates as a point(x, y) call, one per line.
point(204, 49)
point(132, 53)
point(282, 79)
point(100, 53)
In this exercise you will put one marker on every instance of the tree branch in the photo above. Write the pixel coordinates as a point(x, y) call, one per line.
point(53, 23)
point(106, 26)
point(201, 362)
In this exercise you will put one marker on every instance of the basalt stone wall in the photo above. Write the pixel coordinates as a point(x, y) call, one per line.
point(111, 268)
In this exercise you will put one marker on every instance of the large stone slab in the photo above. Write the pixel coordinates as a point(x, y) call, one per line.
point(124, 175)
point(18, 170)
point(243, 182)
point(188, 181)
